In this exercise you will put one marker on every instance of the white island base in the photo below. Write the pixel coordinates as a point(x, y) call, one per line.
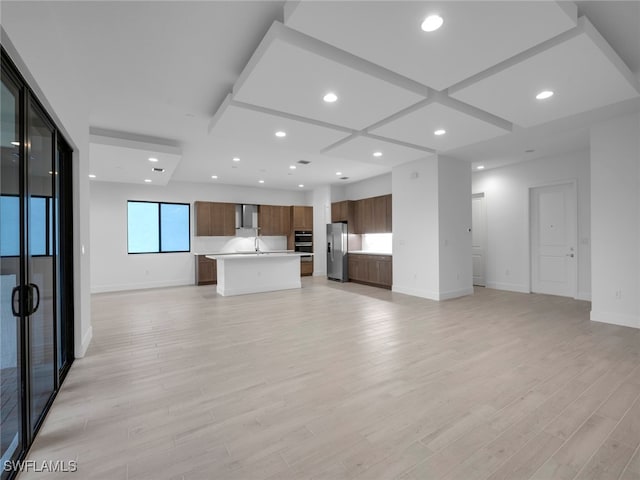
point(254, 273)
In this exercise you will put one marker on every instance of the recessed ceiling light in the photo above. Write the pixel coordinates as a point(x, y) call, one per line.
point(147, 180)
point(236, 159)
point(91, 175)
point(51, 172)
point(281, 134)
point(301, 186)
point(15, 144)
point(377, 154)
point(215, 177)
point(440, 131)
point(338, 173)
point(480, 167)
point(544, 94)
point(432, 23)
point(153, 159)
point(260, 181)
point(292, 167)
point(330, 97)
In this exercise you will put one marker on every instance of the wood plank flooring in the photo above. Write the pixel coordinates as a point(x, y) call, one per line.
point(346, 381)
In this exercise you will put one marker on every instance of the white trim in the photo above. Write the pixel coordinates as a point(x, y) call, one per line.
point(86, 340)
point(252, 289)
point(509, 287)
point(621, 319)
point(584, 296)
point(119, 287)
point(455, 293)
point(415, 292)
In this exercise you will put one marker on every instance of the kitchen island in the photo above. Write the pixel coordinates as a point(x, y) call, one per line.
point(239, 274)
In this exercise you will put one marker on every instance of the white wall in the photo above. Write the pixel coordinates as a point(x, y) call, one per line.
point(321, 201)
point(454, 223)
point(56, 79)
point(415, 228)
point(506, 192)
point(370, 187)
point(113, 269)
point(615, 221)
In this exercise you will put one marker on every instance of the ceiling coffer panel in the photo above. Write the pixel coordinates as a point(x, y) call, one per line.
point(471, 39)
point(258, 127)
point(582, 71)
point(376, 151)
point(291, 73)
point(419, 126)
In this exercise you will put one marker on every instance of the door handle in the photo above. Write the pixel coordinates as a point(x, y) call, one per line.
point(32, 287)
point(15, 301)
point(570, 255)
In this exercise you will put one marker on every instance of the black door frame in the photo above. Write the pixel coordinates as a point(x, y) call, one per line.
point(63, 189)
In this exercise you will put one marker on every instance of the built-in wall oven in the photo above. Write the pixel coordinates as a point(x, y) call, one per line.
point(303, 243)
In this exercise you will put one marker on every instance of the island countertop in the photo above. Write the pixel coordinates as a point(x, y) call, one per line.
point(239, 256)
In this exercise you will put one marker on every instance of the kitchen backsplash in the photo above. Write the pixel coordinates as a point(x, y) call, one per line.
point(377, 242)
point(234, 244)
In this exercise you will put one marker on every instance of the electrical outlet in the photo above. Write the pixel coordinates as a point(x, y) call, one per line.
point(507, 272)
point(618, 294)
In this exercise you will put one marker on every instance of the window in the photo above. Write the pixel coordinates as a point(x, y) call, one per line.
point(155, 227)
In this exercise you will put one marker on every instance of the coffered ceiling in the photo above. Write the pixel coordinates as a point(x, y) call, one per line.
point(215, 80)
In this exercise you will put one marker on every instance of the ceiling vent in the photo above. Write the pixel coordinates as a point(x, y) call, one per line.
point(157, 169)
point(304, 162)
point(344, 178)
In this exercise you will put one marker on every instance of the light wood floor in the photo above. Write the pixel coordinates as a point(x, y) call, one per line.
point(347, 381)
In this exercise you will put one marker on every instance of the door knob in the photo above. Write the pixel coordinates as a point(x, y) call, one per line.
point(570, 255)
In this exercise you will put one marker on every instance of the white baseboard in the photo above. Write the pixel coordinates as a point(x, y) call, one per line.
point(510, 287)
point(139, 286)
point(584, 296)
point(621, 319)
point(271, 288)
point(86, 340)
point(456, 293)
point(415, 292)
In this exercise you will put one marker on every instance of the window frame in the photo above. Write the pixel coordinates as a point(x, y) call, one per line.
point(158, 204)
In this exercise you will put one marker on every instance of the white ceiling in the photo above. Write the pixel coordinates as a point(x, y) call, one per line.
point(215, 79)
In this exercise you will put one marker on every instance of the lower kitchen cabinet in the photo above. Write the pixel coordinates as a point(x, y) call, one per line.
point(376, 270)
point(306, 268)
point(206, 271)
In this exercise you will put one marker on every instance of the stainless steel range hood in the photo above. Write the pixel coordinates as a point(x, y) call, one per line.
point(247, 217)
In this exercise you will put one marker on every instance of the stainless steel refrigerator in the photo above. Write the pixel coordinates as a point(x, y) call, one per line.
point(337, 263)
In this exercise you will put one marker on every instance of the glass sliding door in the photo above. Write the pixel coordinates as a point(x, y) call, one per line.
point(40, 262)
point(36, 265)
point(11, 440)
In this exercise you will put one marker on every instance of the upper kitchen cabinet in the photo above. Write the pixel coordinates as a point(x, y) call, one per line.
point(369, 215)
point(215, 219)
point(342, 211)
point(302, 218)
point(382, 214)
point(274, 220)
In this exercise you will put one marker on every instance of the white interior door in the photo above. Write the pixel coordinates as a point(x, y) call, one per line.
point(479, 238)
point(553, 240)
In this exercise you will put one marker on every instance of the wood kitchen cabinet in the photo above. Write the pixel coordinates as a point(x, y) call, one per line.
point(274, 220)
point(215, 219)
point(342, 211)
point(371, 215)
point(375, 270)
point(301, 218)
point(306, 268)
point(206, 271)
